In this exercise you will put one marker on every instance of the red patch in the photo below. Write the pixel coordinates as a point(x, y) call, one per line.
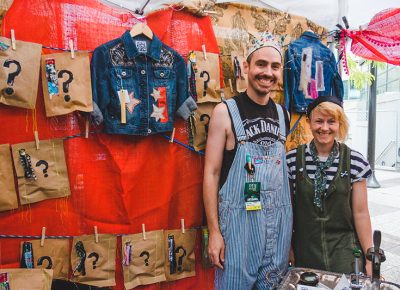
point(162, 102)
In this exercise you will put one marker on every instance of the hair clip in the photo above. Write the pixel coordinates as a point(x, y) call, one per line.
point(26, 163)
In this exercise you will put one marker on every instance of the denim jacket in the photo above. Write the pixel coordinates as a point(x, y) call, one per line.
point(149, 75)
point(310, 71)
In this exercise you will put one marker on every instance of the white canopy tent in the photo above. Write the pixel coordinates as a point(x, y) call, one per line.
point(326, 13)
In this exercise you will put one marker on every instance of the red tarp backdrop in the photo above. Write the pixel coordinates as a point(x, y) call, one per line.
point(117, 182)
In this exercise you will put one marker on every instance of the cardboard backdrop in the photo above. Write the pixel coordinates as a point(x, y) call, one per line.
point(117, 182)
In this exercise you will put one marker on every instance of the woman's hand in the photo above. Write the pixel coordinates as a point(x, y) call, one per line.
point(291, 256)
point(368, 268)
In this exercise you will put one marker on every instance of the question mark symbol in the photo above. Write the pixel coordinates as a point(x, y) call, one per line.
point(66, 83)
point(46, 166)
point(180, 259)
point(96, 256)
point(50, 262)
point(205, 82)
point(146, 260)
point(202, 118)
point(11, 75)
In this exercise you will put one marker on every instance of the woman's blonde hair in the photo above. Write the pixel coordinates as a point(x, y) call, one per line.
point(334, 110)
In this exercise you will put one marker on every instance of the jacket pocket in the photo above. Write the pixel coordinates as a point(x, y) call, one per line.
point(162, 77)
point(270, 172)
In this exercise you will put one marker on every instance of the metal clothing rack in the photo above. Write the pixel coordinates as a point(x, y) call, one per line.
point(141, 10)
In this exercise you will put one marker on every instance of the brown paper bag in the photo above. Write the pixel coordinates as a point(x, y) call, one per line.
point(19, 73)
point(66, 83)
point(179, 254)
point(143, 260)
point(8, 196)
point(29, 279)
point(207, 78)
point(238, 58)
point(200, 123)
point(53, 255)
point(47, 165)
point(94, 263)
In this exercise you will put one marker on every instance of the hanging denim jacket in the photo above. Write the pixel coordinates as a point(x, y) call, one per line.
point(148, 76)
point(310, 71)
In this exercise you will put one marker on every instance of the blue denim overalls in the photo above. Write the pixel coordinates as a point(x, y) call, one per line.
point(256, 242)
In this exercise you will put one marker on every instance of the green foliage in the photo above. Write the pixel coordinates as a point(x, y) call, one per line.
point(359, 78)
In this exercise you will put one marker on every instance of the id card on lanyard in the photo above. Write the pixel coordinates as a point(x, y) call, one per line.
point(252, 188)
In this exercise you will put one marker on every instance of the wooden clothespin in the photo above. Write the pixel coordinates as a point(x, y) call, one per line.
point(172, 136)
point(203, 47)
point(43, 236)
point(13, 42)
point(210, 12)
point(244, 51)
point(37, 141)
point(222, 92)
point(71, 48)
point(96, 235)
point(183, 226)
point(144, 232)
point(286, 15)
point(231, 85)
point(87, 126)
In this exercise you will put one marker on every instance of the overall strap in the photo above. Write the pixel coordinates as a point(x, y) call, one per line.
point(236, 120)
point(282, 123)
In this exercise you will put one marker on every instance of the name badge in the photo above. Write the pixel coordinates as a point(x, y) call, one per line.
point(252, 195)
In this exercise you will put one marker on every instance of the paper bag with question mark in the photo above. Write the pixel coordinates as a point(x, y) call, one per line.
point(179, 254)
point(19, 73)
point(53, 255)
point(41, 174)
point(207, 78)
point(36, 279)
point(199, 123)
point(66, 83)
point(143, 260)
point(8, 196)
point(94, 263)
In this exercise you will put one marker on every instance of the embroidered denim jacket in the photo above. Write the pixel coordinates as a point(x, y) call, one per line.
point(149, 76)
point(310, 71)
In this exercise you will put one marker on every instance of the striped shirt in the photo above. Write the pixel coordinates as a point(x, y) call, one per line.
point(359, 166)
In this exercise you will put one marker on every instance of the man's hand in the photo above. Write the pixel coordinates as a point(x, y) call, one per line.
point(216, 249)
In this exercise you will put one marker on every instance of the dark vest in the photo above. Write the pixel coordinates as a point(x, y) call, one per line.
point(324, 239)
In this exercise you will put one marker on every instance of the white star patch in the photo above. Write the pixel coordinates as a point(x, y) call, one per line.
point(157, 113)
point(156, 95)
point(133, 102)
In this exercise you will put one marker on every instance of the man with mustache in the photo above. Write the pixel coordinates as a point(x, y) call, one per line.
point(246, 190)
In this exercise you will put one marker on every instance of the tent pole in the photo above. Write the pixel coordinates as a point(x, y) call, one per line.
point(372, 182)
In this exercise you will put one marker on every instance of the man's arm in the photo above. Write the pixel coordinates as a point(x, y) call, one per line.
point(216, 142)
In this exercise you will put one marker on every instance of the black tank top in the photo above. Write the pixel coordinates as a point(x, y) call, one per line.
point(261, 124)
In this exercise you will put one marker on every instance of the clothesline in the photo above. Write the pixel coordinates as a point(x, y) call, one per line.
point(64, 236)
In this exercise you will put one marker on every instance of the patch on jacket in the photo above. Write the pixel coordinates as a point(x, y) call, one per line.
point(118, 56)
point(166, 59)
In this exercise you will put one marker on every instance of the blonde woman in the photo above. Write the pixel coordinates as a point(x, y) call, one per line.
point(328, 181)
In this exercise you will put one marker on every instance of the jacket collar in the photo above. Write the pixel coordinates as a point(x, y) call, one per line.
point(131, 51)
point(310, 34)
